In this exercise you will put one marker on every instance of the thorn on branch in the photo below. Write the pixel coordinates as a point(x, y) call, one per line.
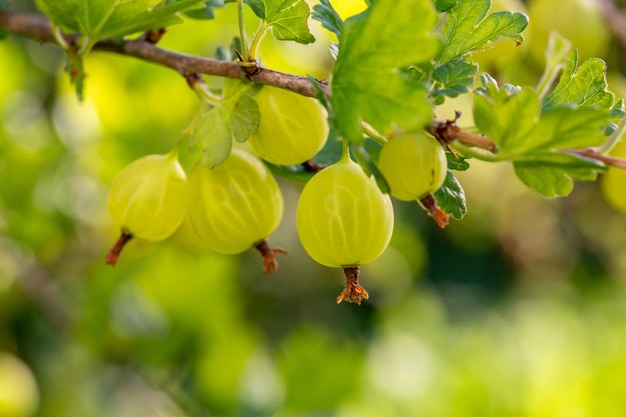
point(312, 166)
point(446, 131)
point(250, 68)
point(154, 36)
point(193, 79)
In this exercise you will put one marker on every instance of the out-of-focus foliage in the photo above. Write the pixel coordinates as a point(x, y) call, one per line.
point(518, 310)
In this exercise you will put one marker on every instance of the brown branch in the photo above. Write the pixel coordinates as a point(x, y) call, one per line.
point(38, 28)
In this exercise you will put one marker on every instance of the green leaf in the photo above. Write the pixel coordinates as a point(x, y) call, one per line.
point(236, 117)
point(287, 18)
point(536, 140)
point(445, 5)
point(244, 119)
point(206, 11)
point(454, 78)
point(489, 88)
point(566, 127)
point(557, 52)
point(552, 174)
point(366, 83)
point(450, 197)
point(365, 160)
point(131, 17)
point(617, 111)
point(507, 123)
point(468, 28)
point(328, 17)
point(213, 134)
point(99, 19)
point(584, 86)
point(457, 162)
point(517, 127)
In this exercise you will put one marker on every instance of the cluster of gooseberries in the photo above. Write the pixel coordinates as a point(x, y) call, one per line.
point(343, 218)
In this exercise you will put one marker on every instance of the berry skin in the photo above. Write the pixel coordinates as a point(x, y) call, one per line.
point(292, 130)
point(344, 220)
point(413, 164)
point(235, 205)
point(147, 199)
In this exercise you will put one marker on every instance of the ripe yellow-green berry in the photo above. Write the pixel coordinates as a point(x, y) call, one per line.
point(344, 221)
point(293, 128)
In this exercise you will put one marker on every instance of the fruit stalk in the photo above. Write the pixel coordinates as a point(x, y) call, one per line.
point(353, 292)
point(270, 264)
point(114, 254)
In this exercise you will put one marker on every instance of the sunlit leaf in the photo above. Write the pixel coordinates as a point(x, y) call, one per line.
point(287, 18)
point(101, 19)
point(214, 136)
point(517, 127)
point(366, 84)
point(328, 17)
point(244, 119)
point(532, 139)
point(468, 28)
point(553, 175)
point(205, 11)
point(585, 85)
point(235, 117)
point(454, 78)
point(445, 5)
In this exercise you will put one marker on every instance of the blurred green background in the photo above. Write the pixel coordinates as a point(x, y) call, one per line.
point(518, 310)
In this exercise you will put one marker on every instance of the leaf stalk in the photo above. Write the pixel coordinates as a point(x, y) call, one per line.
point(242, 31)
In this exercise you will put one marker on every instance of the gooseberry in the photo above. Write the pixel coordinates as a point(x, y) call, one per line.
point(414, 165)
point(147, 199)
point(19, 395)
point(293, 128)
point(236, 205)
point(344, 221)
point(580, 21)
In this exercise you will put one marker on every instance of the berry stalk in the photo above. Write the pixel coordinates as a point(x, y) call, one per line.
point(270, 264)
point(353, 293)
point(114, 254)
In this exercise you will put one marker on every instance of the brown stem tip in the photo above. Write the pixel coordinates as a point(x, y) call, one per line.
point(312, 166)
point(270, 263)
point(114, 254)
point(430, 204)
point(154, 36)
point(353, 292)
